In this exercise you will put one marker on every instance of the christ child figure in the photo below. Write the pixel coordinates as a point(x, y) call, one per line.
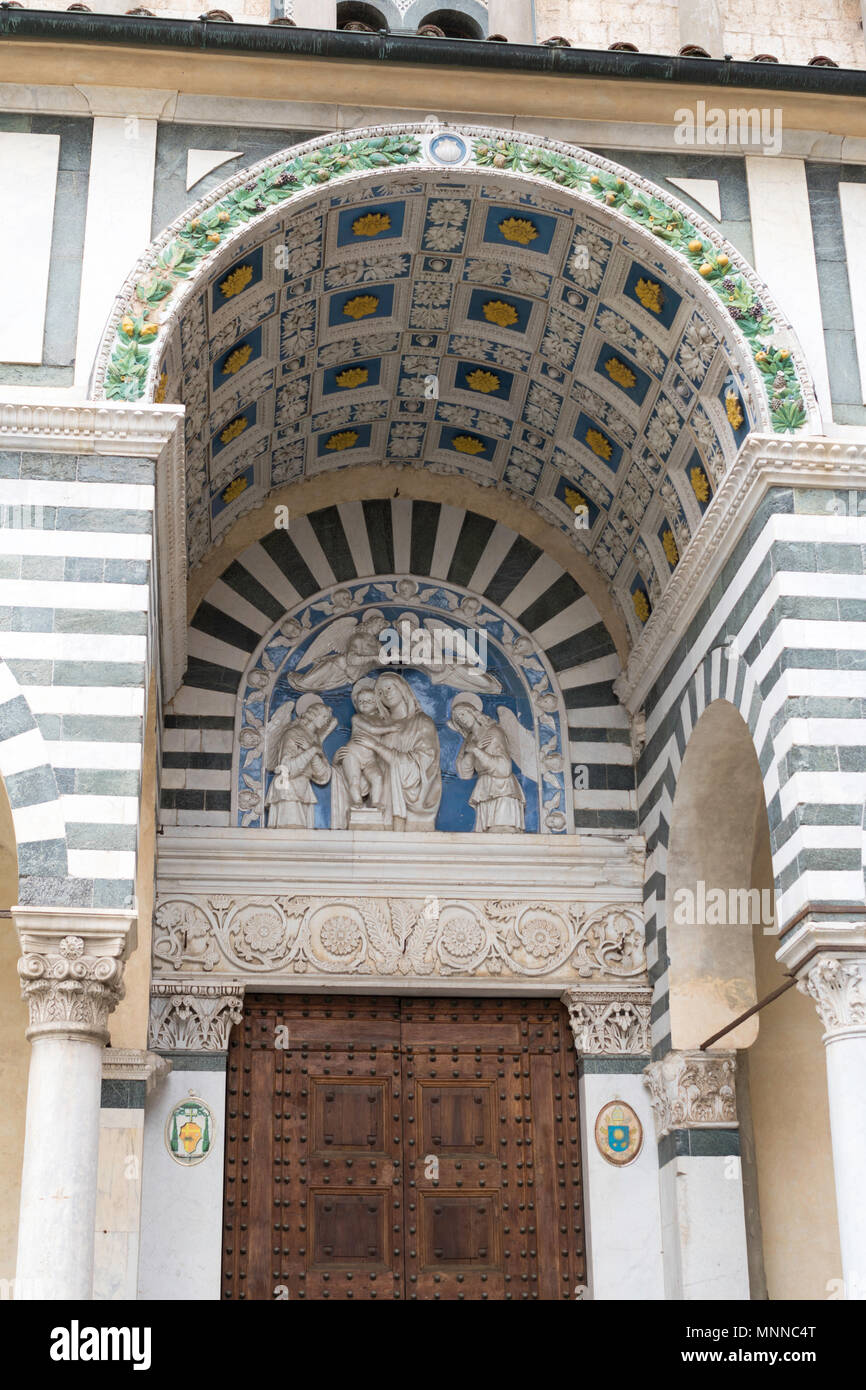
point(359, 763)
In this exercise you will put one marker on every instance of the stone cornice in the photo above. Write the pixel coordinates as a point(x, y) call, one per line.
point(834, 934)
point(154, 432)
point(134, 1064)
point(764, 461)
point(94, 427)
point(596, 867)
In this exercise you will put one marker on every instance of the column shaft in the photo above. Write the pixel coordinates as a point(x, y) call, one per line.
point(837, 984)
point(513, 19)
point(71, 971)
point(58, 1184)
point(846, 1085)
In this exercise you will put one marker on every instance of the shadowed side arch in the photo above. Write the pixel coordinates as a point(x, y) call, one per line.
point(720, 677)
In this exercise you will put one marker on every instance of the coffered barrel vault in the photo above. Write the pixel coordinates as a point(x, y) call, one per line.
point(531, 318)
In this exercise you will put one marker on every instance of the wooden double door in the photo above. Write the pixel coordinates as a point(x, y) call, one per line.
point(384, 1148)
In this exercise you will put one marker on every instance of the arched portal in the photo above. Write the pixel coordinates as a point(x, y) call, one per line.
point(412, 341)
point(469, 302)
point(721, 947)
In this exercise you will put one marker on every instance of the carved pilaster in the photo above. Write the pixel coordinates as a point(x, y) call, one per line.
point(837, 984)
point(193, 1017)
point(693, 1090)
point(609, 1022)
point(71, 968)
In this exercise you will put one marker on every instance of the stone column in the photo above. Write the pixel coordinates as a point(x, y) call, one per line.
point(190, 1024)
point(837, 983)
point(623, 1223)
point(514, 19)
point(71, 972)
point(311, 14)
point(700, 1181)
point(702, 23)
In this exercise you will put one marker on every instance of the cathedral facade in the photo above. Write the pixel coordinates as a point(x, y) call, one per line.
point(432, 632)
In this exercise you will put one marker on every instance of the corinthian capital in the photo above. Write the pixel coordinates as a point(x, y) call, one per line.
point(609, 1022)
point(71, 968)
point(693, 1090)
point(838, 986)
point(186, 1017)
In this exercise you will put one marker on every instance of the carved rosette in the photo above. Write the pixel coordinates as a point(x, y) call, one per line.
point(693, 1090)
point(193, 1017)
point(609, 1022)
point(449, 937)
point(838, 987)
point(71, 969)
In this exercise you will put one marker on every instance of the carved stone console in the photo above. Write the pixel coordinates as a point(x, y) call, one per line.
point(693, 1090)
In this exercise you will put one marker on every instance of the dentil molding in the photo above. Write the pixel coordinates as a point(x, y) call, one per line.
point(764, 461)
point(611, 1022)
point(71, 968)
point(693, 1090)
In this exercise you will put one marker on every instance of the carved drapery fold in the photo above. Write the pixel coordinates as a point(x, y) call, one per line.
point(693, 1090)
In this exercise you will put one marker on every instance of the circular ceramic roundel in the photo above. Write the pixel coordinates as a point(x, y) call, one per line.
point(448, 148)
point(189, 1131)
point(618, 1133)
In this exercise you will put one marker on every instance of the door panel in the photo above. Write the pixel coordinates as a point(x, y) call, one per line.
point(420, 1149)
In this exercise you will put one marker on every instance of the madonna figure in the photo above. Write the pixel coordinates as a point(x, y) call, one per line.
point(408, 747)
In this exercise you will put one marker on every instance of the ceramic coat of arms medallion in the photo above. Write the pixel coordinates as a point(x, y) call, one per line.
point(189, 1131)
point(618, 1133)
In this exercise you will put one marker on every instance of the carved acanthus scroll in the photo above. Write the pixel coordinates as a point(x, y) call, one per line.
point(449, 937)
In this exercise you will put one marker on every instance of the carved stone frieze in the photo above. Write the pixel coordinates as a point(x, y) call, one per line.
point(693, 1090)
point(610, 1022)
point(838, 988)
point(187, 1017)
point(453, 937)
